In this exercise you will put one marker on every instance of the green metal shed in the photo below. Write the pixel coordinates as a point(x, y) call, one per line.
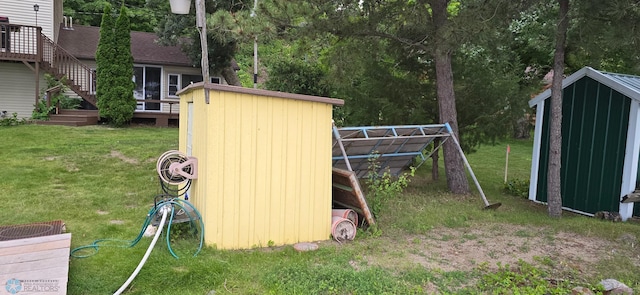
point(600, 142)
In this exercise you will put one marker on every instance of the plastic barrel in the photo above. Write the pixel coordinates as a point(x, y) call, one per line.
point(346, 213)
point(342, 229)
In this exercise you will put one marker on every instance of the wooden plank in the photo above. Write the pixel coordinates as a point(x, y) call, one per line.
point(354, 197)
point(33, 266)
point(35, 247)
point(33, 256)
point(28, 241)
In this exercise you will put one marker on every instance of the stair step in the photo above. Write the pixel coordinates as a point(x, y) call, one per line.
point(63, 123)
point(79, 112)
point(81, 118)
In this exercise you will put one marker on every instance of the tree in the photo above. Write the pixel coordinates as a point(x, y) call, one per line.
point(115, 69)
point(85, 12)
point(105, 56)
point(427, 33)
point(222, 33)
point(554, 193)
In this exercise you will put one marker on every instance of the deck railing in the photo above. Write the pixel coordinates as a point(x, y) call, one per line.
point(18, 42)
point(79, 76)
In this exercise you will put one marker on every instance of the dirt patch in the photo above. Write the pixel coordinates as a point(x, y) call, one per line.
point(119, 155)
point(463, 249)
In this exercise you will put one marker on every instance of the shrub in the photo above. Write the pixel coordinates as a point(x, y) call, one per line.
point(517, 187)
point(382, 187)
point(11, 121)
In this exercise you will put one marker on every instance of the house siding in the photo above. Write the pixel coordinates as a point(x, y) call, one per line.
point(21, 12)
point(17, 89)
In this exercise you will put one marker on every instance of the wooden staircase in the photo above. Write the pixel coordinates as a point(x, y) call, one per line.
point(72, 118)
point(67, 69)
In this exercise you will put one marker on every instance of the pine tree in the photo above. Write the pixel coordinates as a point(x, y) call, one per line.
point(105, 56)
point(115, 69)
point(123, 102)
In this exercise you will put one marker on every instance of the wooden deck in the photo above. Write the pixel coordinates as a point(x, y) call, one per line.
point(37, 265)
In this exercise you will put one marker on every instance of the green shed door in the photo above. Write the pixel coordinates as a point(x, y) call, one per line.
point(594, 134)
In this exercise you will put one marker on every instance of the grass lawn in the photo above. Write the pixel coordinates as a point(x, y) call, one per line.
point(101, 182)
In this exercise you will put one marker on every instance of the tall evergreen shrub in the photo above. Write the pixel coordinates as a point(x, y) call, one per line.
point(115, 69)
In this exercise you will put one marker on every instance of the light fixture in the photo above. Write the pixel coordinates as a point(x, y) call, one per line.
point(182, 7)
point(36, 7)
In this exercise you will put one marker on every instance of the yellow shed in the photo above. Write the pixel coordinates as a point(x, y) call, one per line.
point(264, 164)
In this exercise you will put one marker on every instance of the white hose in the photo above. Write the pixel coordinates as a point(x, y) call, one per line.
point(165, 209)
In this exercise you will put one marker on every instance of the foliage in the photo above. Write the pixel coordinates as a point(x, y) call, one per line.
point(222, 30)
point(12, 120)
point(41, 111)
point(335, 279)
point(297, 76)
point(89, 13)
point(523, 278)
point(115, 69)
point(382, 186)
point(517, 187)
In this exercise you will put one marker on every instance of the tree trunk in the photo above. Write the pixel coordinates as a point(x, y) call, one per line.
point(231, 76)
point(456, 175)
point(554, 193)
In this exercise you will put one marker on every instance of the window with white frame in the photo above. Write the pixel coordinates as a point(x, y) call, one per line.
point(174, 84)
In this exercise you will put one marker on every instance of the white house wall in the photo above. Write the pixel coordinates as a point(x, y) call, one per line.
point(17, 89)
point(21, 12)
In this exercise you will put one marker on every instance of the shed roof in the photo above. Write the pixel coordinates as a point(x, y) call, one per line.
point(261, 92)
point(628, 85)
point(82, 42)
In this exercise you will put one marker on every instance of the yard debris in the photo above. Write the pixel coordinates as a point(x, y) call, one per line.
point(612, 286)
point(610, 216)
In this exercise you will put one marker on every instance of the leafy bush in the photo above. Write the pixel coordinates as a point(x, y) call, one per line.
point(11, 121)
point(517, 187)
point(382, 187)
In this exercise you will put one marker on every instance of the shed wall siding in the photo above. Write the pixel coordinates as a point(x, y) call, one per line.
point(268, 168)
point(18, 89)
point(594, 124)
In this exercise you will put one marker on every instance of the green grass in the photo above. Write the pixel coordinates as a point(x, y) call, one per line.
point(91, 176)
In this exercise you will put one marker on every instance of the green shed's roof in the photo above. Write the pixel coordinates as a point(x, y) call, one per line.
point(628, 85)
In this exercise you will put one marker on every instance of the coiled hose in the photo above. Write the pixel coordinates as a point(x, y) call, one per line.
point(164, 207)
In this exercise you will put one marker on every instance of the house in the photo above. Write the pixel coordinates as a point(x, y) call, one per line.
point(600, 143)
point(58, 47)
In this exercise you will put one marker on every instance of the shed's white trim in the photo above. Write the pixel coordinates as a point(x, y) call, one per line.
point(535, 157)
point(632, 152)
point(596, 75)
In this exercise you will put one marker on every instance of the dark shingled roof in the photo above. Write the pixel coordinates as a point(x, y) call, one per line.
point(82, 42)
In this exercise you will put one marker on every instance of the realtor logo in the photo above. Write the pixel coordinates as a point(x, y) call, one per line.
point(13, 286)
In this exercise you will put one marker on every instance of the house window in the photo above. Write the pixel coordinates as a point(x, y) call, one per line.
point(174, 84)
point(190, 79)
point(93, 82)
